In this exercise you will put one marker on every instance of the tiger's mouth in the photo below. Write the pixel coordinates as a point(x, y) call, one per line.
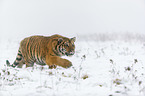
point(69, 53)
point(65, 52)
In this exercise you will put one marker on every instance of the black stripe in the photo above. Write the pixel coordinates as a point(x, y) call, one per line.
point(42, 60)
point(20, 54)
point(56, 52)
point(56, 47)
point(37, 58)
point(31, 52)
point(52, 55)
point(19, 59)
point(27, 45)
point(59, 49)
point(19, 51)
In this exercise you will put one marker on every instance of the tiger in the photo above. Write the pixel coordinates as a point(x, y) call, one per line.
point(44, 50)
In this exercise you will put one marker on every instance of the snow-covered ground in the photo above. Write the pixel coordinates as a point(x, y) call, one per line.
point(100, 68)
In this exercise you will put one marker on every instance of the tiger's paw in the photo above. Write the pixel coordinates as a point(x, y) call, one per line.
point(67, 64)
point(52, 66)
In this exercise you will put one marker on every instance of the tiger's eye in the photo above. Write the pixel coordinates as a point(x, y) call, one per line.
point(66, 44)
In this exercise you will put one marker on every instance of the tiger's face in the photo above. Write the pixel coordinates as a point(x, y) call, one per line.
point(66, 46)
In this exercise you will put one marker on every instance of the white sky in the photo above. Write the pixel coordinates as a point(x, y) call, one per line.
point(70, 17)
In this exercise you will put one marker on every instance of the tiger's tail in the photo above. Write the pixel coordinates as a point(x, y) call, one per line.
point(18, 61)
point(10, 65)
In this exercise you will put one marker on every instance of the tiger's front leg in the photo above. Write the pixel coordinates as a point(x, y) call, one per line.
point(55, 60)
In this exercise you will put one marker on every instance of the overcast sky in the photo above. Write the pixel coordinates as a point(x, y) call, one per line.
point(71, 17)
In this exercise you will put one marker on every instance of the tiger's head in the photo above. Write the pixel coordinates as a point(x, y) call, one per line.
point(66, 46)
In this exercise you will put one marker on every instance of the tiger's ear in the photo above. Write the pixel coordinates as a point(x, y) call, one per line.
point(73, 39)
point(60, 40)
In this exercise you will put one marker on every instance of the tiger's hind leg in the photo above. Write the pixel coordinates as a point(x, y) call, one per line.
point(29, 64)
point(18, 62)
point(20, 65)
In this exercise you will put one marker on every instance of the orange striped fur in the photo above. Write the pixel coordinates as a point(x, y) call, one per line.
point(44, 51)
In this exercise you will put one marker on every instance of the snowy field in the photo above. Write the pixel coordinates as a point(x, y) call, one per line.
point(110, 47)
point(100, 68)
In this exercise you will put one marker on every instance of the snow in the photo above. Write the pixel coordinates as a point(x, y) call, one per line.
point(112, 68)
